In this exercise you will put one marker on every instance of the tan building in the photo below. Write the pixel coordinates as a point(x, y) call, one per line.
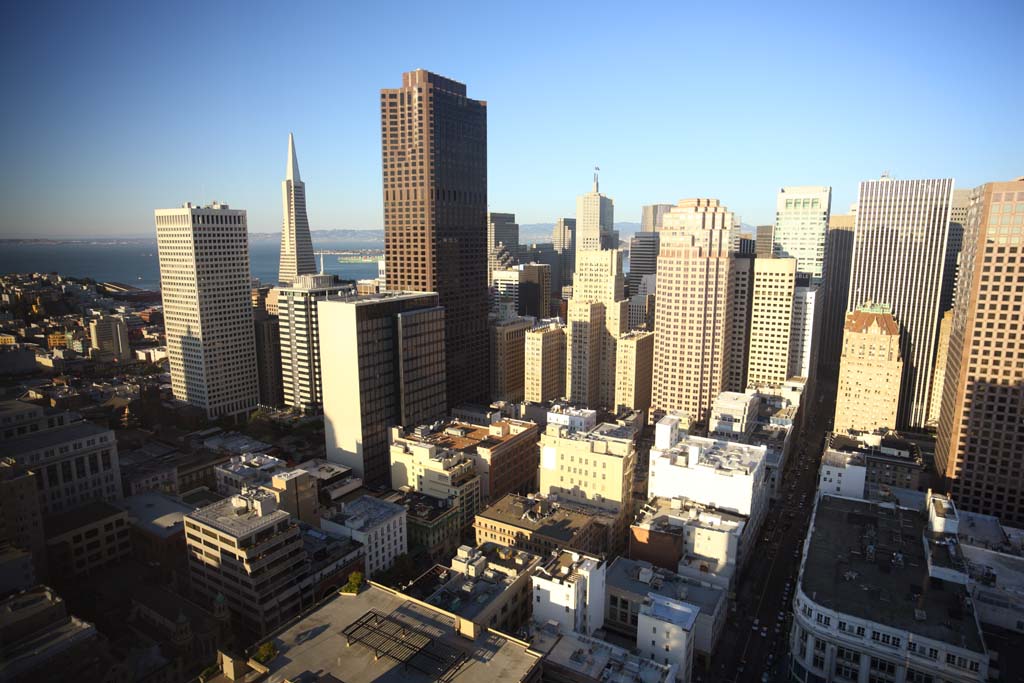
point(633, 368)
point(939, 376)
point(771, 318)
point(980, 437)
point(598, 313)
point(536, 525)
point(692, 317)
point(741, 283)
point(508, 354)
point(544, 370)
point(870, 371)
point(57, 340)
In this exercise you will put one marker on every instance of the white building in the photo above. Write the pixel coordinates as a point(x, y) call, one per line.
point(570, 589)
point(248, 469)
point(882, 596)
point(204, 280)
point(734, 415)
point(842, 474)
point(801, 225)
point(377, 524)
point(296, 244)
point(664, 633)
point(575, 419)
point(300, 338)
point(803, 346)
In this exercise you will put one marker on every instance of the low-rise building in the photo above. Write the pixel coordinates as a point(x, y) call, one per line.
point(158, 529)
point(378, 525)
point(82, 541)
point(569, 589)
point(891, 461)
point(247, 469)
point(668, 626)
point(537, 525)
point(576, 658)
point(432, 524)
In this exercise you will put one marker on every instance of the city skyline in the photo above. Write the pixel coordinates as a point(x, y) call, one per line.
point(541, 149)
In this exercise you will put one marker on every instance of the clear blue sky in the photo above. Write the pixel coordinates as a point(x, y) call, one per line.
point(113, 109)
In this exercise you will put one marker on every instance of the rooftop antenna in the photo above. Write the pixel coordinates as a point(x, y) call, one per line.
point(596, 170)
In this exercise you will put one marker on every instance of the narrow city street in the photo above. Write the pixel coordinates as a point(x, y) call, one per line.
point(754, 643)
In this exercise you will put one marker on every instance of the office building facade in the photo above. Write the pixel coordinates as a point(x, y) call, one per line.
point(801, 227)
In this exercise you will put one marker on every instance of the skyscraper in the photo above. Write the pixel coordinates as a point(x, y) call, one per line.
point(502, 241)
point(957, 222)
point(691, 316)
point(764, 241)
point(296, 244)
point(508, 355)
point(386, 368)
point(869, 371)
point(741, 291)
point(643, 258)
point(204, 280)
point(838, 259)
point(981, 433)
point(109, 334)
point(268, 357)
point(902, 228)
point(805, 329)
point(300, 338)
point(563, 237)
point(434, 147)
point(771, 319)
point(801, 224)
point(544, 370)
point(651, 216)
point(939, 374)
point(595, 221)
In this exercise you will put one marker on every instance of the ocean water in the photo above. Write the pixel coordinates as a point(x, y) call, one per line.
point(136, 263)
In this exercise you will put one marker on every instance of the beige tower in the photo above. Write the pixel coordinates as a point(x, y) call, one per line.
point(935, 406)
point(741, 284)
point(597, 315)
point(771, 318)
point(691, 319)
point(544, 369)
point(870, 371)
point(508, 339)
point(634, 366)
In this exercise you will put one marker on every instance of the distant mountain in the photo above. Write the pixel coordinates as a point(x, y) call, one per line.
point(359, 235)
point(541, 232)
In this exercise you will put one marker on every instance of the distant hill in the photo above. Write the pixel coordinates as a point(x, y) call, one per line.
point(541, 232)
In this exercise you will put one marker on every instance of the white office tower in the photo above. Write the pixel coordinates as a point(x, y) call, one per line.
point(899, 256)
point(300, 338)
point(803, 340)
point(771, 318)
point(801, 226)
point(204, 279)
point(595, 227)
point(296, 244)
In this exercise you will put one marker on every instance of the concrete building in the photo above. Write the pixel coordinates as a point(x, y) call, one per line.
point(84, 540)
point(523, 289)
point(267, 331)
point(21, 517)
point(502, 242)
point(734, 415)
point(764, 241)
point(508, 356)
point(378, 525)
point(959, 208)
point(801, 228)
point(434, 150)
point(400, 382)
point(584, 333)
point(633, 368)
point(836, 291)
point(563, 237)
point(18, 418)
point(891, 462)
point(437, 470)
point(544, 370)
point(842, 474)
point(771, 320)
point(641, 303)
point(670, 625)
point(583, 659)
point(870, 371)
point(939, 374)
point(595, 222)
point(297, 306)
point(295, 490)
point(979, 438)
point(504, 451)
point(569, 588)
point(803, 339)
point(76, 463)
point(431, 524)
point(204, 280)
point(643, 258)
point(632, 583)
point(246, 470)
point(109, 334)
point(848, 624)
point(296, 244)
point(741, 290)
point(903, 226)
point(652, 215)
point(692, 317)
point(537, 525)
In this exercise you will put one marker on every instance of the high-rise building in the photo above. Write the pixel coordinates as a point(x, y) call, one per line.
point(508, 354)
point(386, 367)
point(939, 376)
point(597, 314)
point(692, 314)
point(643, 258)
point(434, 146)
point(268, 357)
point(544, 371)
point(296, 244)
point(764, 241)
point(838, 260)
point(801, 224)
point(651, 216)
point(870, 371)
point(741, 287)
point(901, 228)
point(109, 334)
point(300, 338)
point(437, 469)
point(204, 280)
point(804, 330)
point(641, 304)
point(524, 289)
point(563, 238)
point(771, 319)
point(957, 222)
point(595, 227)
point(633, 367)
point(502, 241)
point(981, 434)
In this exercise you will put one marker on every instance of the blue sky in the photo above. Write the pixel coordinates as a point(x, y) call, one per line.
point(113, 109)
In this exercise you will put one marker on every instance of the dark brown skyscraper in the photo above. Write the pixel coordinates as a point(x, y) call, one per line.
point(434, 152)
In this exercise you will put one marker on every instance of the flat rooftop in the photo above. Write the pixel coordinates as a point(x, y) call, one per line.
point(323, 469)
point(459, 435)
point(157, 513)
point(50, 437)
point(367, 512)
point(639, 578)
point(595, 660)
point(371, 636)
point(234, 520)
point(539, 516)
point(727, 457)
point(852, 567)
point(83, 515)
point(673, 515)
point(420, 506)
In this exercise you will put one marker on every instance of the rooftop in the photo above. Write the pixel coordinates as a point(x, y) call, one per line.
point(366, 513)
point(727, 457)
point(157, 513)
point(566, 565)
point(83, 515)
point(458, 435)
point(380, 636)
point(640, 578)
point(421, 506)
point(672, 515)
point(591, 659)
point(477, 577)
point(50, 437)
point(868, 560)
point(241, 514)
point(323, 469)
point(538, 515)
point(682, 614)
